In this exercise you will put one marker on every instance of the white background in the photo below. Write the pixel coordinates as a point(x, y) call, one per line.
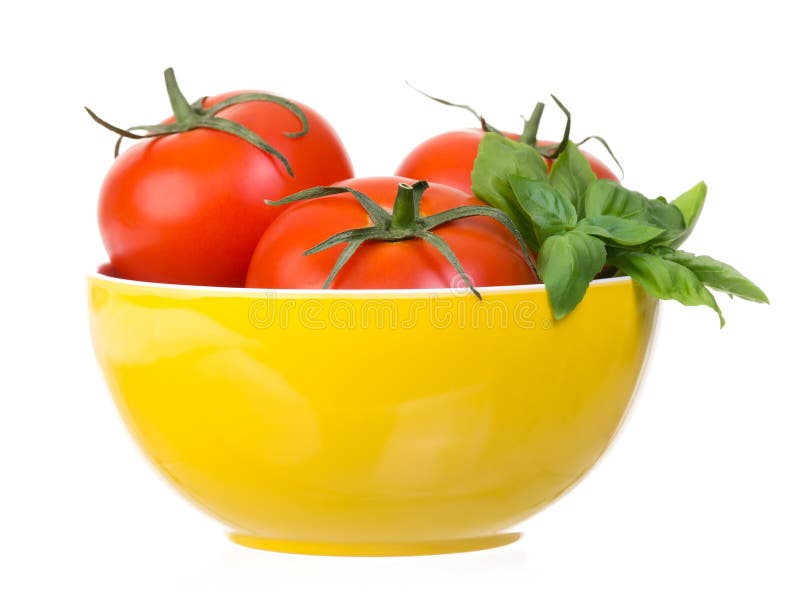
point(697, 498)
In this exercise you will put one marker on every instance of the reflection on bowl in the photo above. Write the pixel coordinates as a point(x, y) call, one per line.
point(369, 422)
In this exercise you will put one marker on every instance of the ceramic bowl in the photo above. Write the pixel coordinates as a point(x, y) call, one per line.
point(370, 422)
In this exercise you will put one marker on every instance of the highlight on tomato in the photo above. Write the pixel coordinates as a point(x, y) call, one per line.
point(448, 158)
point(186, 203)
point(389, 233)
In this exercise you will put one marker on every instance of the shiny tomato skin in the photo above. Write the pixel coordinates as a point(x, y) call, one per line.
point(188, 208)
point(488, 252)
point(448, 159)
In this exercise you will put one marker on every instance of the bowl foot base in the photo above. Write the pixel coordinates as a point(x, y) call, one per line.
point(410, 548)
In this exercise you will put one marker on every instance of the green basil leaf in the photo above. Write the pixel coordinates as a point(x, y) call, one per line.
point(605, 197)
point(567, 263)
point(571, 174)
point(668, 217)
point(691, 205)
point(549, 211)
point(619, 231)
point(717, 275)
point(665, 279)
point(499, 158)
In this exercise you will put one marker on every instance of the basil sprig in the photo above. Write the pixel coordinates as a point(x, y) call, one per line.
point(579, 225)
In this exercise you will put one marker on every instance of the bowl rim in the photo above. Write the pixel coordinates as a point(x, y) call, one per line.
point(309, 292)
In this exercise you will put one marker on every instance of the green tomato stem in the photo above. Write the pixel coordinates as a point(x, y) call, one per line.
point(404, 212)
point(531, 128)
point(183, 111)
point(194, 116)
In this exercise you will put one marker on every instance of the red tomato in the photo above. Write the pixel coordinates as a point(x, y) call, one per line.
point(189, 207)
point(448, 158)
point(488, 252)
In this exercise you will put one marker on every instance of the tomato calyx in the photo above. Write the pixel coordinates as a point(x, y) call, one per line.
point(531, 128)
point(403, 223)
point(193, 116)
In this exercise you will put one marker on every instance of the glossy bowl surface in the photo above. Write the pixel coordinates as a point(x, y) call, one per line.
point(369, 422)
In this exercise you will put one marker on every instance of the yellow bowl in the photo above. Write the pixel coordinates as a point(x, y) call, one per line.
point(370, 422)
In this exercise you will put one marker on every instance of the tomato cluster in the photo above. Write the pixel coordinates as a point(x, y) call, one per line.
point(194, 203)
